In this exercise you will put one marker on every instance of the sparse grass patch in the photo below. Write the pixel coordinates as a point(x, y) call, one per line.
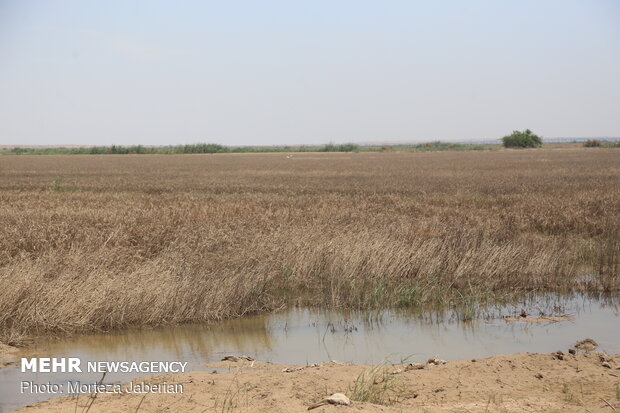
point(568, 396)
point(377, 386)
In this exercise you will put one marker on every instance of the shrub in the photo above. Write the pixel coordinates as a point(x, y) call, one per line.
point(201, 148)
point(346, 147)
point(593, 143)
point(525, 139)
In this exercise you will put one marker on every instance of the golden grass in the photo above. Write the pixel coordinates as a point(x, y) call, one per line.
point(91, 242)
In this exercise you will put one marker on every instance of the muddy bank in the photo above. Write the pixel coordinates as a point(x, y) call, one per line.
point(7, 354)
point(508, 383)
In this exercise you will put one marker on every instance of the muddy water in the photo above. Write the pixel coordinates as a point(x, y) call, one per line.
point(300, 336)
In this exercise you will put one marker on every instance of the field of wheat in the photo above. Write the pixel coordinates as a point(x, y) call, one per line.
point(105, 241)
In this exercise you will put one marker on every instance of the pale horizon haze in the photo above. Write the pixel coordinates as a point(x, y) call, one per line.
point(306, 72)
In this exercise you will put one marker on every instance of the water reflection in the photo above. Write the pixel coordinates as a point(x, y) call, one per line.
point(193, 342)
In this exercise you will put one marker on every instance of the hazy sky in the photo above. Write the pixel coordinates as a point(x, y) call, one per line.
point(274, 72)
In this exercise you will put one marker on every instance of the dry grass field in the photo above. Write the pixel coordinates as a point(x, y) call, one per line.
point(97, 242)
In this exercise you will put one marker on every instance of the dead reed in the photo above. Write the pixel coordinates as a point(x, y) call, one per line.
point(98, 242)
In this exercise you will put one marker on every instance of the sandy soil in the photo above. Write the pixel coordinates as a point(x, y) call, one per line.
point(505, 383)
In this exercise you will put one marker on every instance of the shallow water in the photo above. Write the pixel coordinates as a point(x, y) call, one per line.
point(301, 336)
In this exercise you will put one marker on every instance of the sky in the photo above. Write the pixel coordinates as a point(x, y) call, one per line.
point(306, 72)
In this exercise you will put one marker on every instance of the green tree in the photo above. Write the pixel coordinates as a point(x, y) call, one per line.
point(522, 139)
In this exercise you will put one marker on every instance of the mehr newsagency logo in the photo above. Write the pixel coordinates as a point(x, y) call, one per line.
point(55, 365)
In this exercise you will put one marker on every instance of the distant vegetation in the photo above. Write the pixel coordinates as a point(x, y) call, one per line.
point(430, 146)
point(179, 149)
point(216, 148)
point(595, 143)
point(519, 139)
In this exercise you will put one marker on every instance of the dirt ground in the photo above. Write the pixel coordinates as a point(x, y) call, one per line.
point(506, 383)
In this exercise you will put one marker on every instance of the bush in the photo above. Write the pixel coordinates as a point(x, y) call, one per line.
point(593, 143)
point(525, 139)
point(202, 148)
point(346, 147)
